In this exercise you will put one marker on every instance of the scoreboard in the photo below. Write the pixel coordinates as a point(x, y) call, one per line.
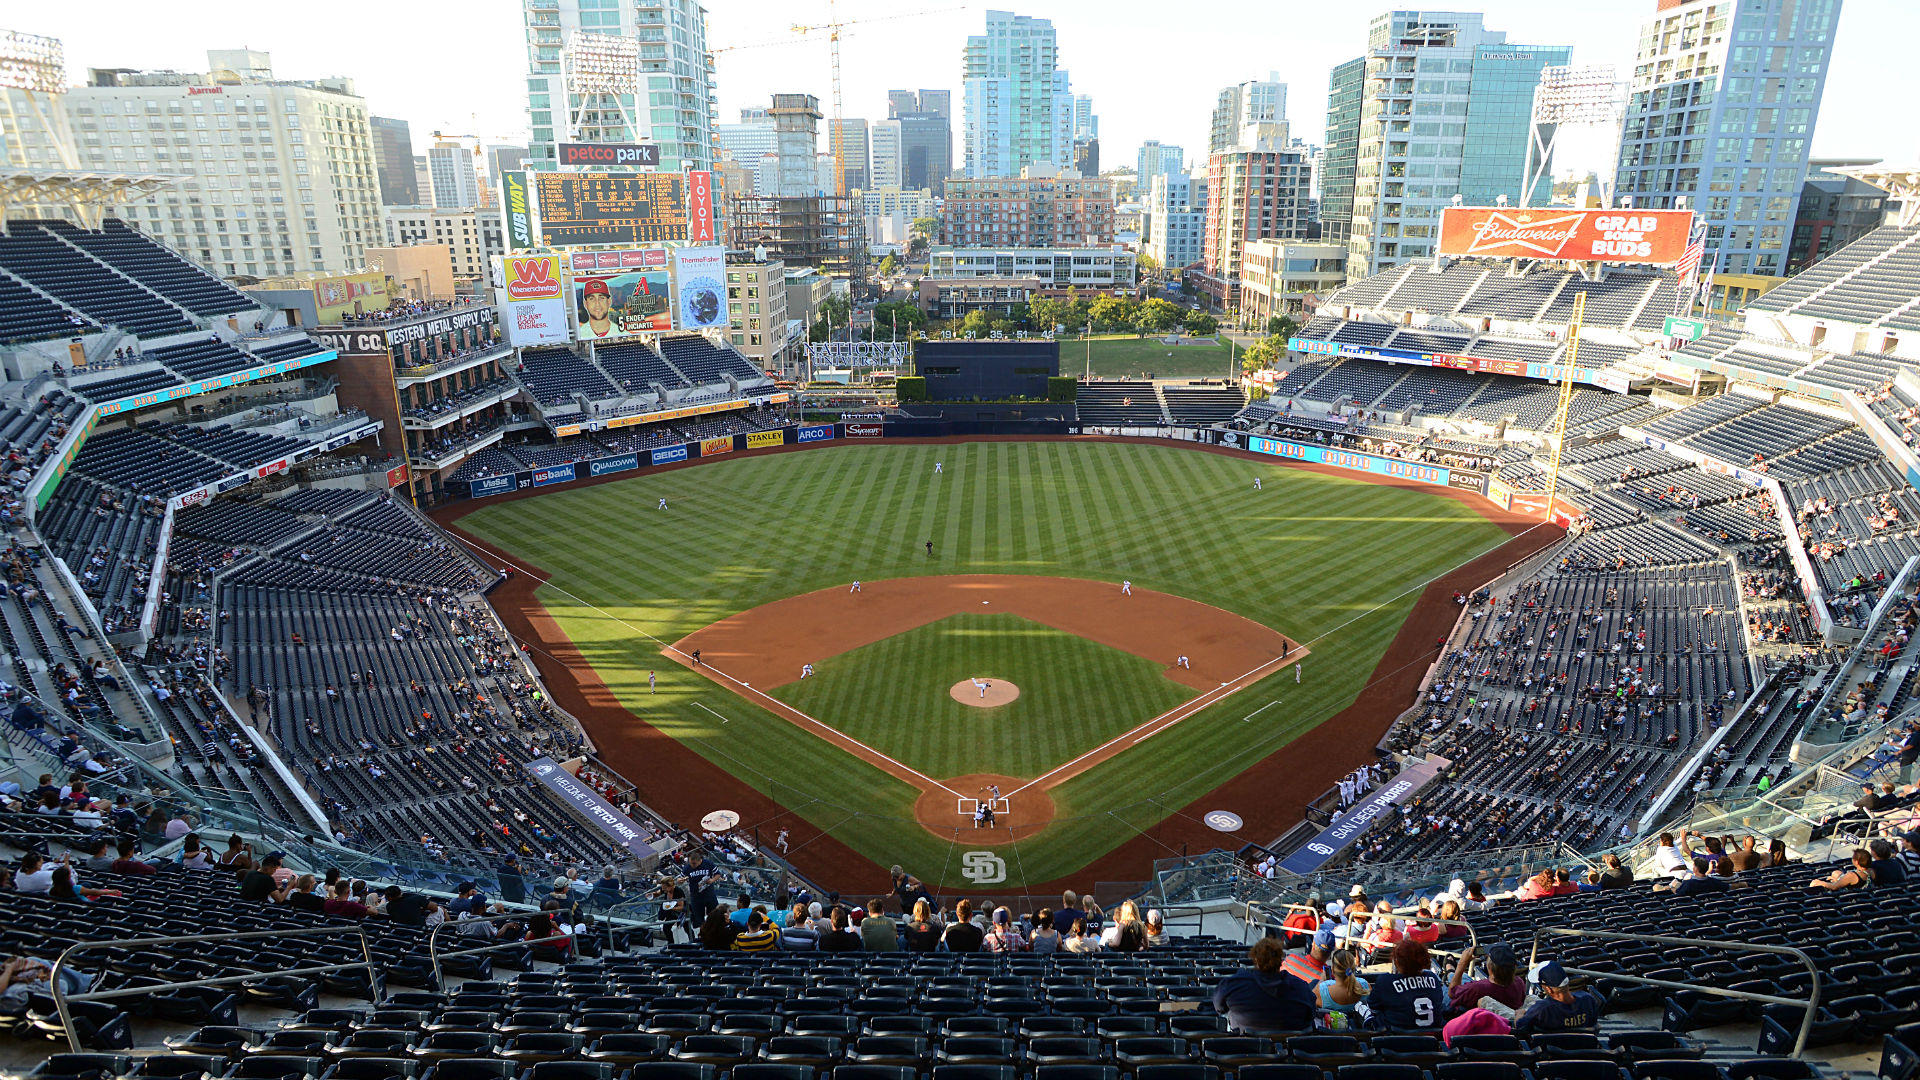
point(611, 208)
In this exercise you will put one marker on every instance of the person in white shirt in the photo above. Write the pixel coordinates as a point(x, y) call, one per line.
point(35, 876)
point(1670, 860)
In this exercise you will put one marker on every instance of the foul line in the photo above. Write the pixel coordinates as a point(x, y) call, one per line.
point(773, 704)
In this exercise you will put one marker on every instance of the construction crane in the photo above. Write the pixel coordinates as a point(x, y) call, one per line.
point(833, 26)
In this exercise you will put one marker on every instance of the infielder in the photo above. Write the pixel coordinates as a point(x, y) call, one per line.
point(855, 587)
point(1182, 662)
point(981, 686)
point(806, 671)
point(1126, 588)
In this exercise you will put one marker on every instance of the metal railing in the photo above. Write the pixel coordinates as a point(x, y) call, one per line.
point(1262, 916)
point(1811, 1002)
point(433, 939)
point(62, 999)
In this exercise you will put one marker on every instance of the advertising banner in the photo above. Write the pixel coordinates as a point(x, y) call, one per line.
point(1612, 381)
point(1355, 819)
point(716, 446)
point(397, 475)
point(591, 208)
point(621, 294)
point(1349, 459)
point(699, 286)
point(675, 414)
point(668, 454)
point(535, 312)
point(619, 154)
point(218, 382)
point(760, 440)
point(865, 431)
point(701, 227)
point(588, 803)
point(515, 212)
point(490, 485)
point(816, 433)
point(558, 474)
point(605, 465)
point(349, 294)
point(1645, 237)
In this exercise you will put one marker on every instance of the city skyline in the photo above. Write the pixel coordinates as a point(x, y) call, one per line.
point(487, 97)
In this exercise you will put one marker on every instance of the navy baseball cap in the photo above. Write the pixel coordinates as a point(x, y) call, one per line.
point(1550, 974)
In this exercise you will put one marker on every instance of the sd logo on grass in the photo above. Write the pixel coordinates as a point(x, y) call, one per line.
point(983, 867)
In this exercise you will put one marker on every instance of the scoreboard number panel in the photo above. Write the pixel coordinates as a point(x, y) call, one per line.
point(578, 209)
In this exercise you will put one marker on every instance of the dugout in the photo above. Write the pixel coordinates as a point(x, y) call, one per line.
point(987, 370)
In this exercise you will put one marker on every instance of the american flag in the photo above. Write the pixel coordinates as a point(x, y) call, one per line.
point(1689, 263)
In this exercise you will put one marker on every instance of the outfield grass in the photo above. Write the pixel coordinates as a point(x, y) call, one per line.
point(1331, 561)
point(1074, 695)
point(1136, 358)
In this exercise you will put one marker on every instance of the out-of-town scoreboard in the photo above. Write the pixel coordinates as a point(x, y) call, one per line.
point(589, 208)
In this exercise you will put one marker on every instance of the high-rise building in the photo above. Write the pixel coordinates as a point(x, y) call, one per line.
point(796, 144)
point(1445, 109)
point(1020, 108)
point(926, 136)
point(1154, 160)
point(1720, 113)
point(504, 158)
point(1086, 157)
point(577, 52)
point(1247, 113)
point(455, 184)
point(1039, 209)
point(393, 161)
point(752, 143)
point(1176, 219)
point(848, 144)
point(1835, 210)
point(422, 180)
point(1257, 192)
point(284, 183)
point(1341, 160)
point(472, 237)
point(884, 137)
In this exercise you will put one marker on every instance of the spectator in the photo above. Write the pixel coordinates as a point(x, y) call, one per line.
point(1669, 859)
point(838, 937)
point(1341, 992)
point(1910, 851)
point(23, 976)
point(798, 935)
point(1069, 912)
point(759, 935)
point(513, 881)
point(127, 864)
point(1412, 998)
point(908, 889)
point(718, 931)
point(64, 889)
point(1126, 933)
point(1045, 940)
point(178, 825)
point(1156, 929)
point(922, 932)
point(1501, 982)
point(1614, 874)
point(1004, 937)
point(193, 856)
point(343, 903)
point(1746, 857)
point(35, 876)
point(237, 857)
point(408, 909)
point(1777, 853)
point(1700, 880)
point(98, 861)
point(606, 891)
point(877, 932)
point(962, 935)
point(1476, 898)
point(303, 898)
point(1564, 1003)
point(1262, 997)
point(259, 886)
point(1887, 867)
point(1080, 941)
point(1858, 875)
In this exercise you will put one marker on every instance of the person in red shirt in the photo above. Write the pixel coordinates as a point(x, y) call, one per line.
point(126, 863)
point(341, 902)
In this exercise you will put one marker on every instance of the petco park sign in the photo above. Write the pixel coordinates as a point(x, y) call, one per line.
point(1648, 237)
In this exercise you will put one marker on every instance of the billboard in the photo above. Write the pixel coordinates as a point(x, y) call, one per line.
point(816, 433)
point(603, 466)
point(349, 294)
point(865, 431)
point(558, 474)
point(624, 155)
point(700, 215)
point(700, 287)
point(515, 212)
point(620, 294)
point(535, 309)
point(719, 444)
point(1647, 237)
point(667, 455)
point(760, 440)
point(490, 485)
point(590, 208)
point(1349, 459)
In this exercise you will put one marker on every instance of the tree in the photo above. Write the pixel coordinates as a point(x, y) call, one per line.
point(1201, 324)
point(1147, 263)
point(924, 227)
point(1156, 316)
point(1281, 326)
point(977, 322)
point(1044, 314)
point(889, 266)
point(1021, 316)
point(1111, 313)
point(1002, 326)
point(835, 312)
point(1259, 355)
point(888, 315)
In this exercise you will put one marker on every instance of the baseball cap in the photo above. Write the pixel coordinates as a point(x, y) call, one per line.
point(1357, 890)
point(595, 287)
point(1325, 937)
point(1002, 916)
point(562, 882)
point(1550, 974)
point(1501, 953)
point(1335, 909)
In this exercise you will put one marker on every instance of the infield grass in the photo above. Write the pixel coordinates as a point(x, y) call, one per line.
point(1332, 561)
point(1074, 695)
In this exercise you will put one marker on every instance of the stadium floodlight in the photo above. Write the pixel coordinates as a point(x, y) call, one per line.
point(602, 75)
point(1578, 95)
point(32, 63)
point(33, 74)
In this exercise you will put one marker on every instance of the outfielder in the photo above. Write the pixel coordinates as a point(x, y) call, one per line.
point(663, 502)
point(937, 466)
point(1256, 483)
point(650, 682)
point(781, 840)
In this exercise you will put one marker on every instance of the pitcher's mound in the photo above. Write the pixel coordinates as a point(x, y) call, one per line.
point(997, 692)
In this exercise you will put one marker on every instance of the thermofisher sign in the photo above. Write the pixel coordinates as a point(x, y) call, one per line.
point(1647, 237)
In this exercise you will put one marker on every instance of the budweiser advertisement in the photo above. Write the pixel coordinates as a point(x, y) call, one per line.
point(1648, 237)
point(534, 310)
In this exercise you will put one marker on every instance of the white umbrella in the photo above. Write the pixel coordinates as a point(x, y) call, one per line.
point(720, 821)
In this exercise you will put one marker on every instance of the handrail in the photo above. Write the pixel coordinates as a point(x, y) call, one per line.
point(61, 997)
point(1812, 1001)
point(1347, 928)
point(433, 938)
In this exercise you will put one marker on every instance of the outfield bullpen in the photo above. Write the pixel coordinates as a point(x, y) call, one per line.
point(1119, 741)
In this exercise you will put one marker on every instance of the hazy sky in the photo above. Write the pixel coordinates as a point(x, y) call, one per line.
point(1153, 69)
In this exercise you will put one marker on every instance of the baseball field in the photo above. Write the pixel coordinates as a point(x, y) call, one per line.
point(860, 722)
